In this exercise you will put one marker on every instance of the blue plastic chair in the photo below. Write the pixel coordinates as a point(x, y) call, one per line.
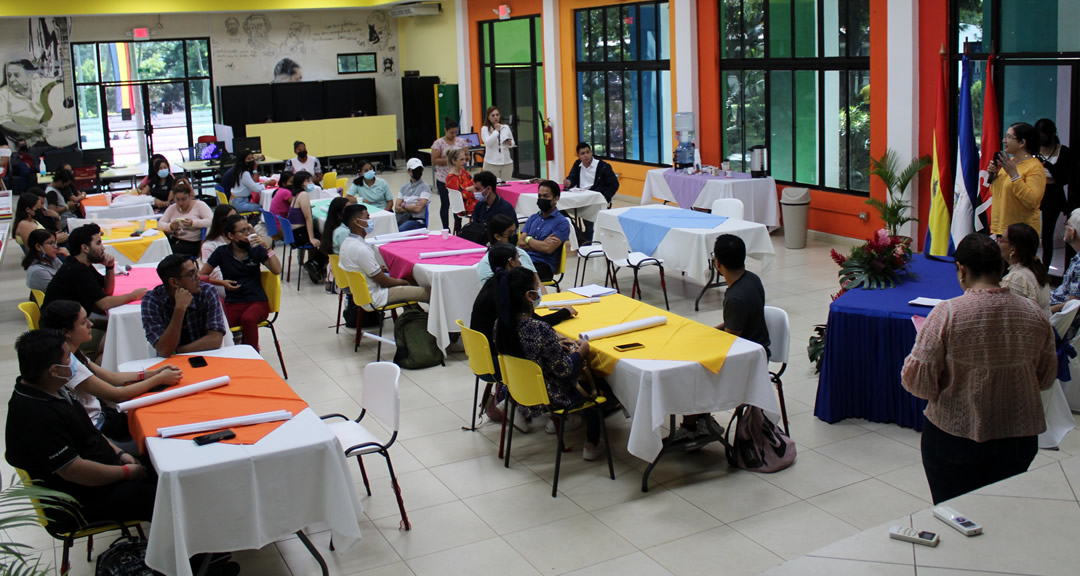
point(290, 247)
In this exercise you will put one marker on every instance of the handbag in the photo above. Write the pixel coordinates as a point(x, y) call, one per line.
point(125, 557)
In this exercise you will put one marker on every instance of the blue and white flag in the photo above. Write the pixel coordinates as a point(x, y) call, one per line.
point(966, 189)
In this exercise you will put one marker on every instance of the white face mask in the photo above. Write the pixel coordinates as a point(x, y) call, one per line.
point(70, 367)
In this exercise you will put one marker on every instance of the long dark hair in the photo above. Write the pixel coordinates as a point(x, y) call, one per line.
point(298, 181)
point(511, 302)
point(152, 176)
point(333, 219)
point(217, 225)
point(27, 200)
point(239, 166)
point(1029, 135)
point(1025, 240)
point(61, 315)
point(32, 255)
point(497, 225)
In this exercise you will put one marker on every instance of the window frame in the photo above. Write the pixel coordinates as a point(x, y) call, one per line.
point(356, 61)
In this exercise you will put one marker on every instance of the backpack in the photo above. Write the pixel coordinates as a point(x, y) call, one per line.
point(759, 445)
point(416, 347)
point(474, 232)
point(125, 557)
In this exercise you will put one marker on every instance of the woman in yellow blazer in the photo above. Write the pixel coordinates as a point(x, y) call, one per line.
point(1017, 180)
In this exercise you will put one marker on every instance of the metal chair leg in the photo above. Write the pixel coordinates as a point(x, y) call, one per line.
point(635, 290)
point(559, 429)
point(280, 357)
point(475, 405)
point(397, 492)
point(607, 445)
point(502, 432)
point(783, 407)
point(510, 408)
point(340, 301)
point(363, 473)
point(663, 286)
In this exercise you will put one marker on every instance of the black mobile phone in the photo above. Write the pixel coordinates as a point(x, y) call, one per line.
point(629, 346)
point(197, 362)
point(214, 437)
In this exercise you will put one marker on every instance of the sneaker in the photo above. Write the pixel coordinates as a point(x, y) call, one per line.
point(714, 428)
point(682, 433)
point(592, 451)
point(573, 422)
point(523, 424)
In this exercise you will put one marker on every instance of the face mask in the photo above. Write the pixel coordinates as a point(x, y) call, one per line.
point(512, 239)
point(244, 244)
point(39, 214)
point(163, 173)
point(543, 204)
point(536, 302)
point(479, 196)
point(417, 173)
point(24, 148)
point(250, 165)
point(369, 175)
point(310, 187)
point(70, 367)
point(302, 155)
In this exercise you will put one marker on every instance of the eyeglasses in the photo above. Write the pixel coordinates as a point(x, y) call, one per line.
point(1009, 137)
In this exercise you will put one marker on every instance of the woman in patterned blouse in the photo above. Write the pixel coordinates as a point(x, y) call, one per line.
point(1027, 275)
point(1070, 284)
point(519, 332)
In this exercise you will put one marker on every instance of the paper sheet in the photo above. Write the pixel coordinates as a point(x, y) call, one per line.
point(624, 328)
point(923, 301)
point(592, 291)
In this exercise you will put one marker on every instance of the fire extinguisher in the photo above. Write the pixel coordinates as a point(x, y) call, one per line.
point(549, 139)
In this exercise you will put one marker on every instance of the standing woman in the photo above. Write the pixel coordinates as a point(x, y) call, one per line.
point(1059, 167)
point(1027, 275)
point(460, 180)
point(497, 139)
point(981, 359)
point(158, 183)
point(1017, 180)
point(246, 183)
point(439, 148)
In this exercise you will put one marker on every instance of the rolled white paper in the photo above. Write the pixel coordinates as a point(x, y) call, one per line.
point(167, 395)
point(443, 253)
point(223, 423)
point(118, 240)
point(626, 327)
point(380, 338)
point(380, 241)
point(573, 302)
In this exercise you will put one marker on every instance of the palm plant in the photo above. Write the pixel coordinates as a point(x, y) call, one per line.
point(894, 213)
point(18, 510)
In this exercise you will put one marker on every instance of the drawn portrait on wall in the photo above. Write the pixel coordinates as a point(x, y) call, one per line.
point(378, 28)
point(36, 101)
point(257, 27)
point(288, 70)
point(387, 66)
point(296, 39)
point(232, 26)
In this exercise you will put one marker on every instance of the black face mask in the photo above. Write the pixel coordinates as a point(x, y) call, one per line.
point(24, 148)
point(39, 214)
point(417, 173)
point(250, 166)
point(543, 204)
point(512, 239)
point(244, 245)
point(302, 155)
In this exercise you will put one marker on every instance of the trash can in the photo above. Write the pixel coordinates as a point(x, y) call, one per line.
point(795, 203)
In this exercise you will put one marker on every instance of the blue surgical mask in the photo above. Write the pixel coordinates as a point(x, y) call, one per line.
point(163, 173)
point(369, 228)
point(479, 196)
point(310, 187)
point(369, 175)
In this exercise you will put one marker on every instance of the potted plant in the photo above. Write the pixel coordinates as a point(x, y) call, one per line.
point(894, 212)
point(17, 510)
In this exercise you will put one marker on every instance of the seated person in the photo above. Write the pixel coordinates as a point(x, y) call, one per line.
point(21, 168)
point(370, 189)
point(518, 332)
point(502, 229)
point(40, 262)
point(590, 173)
point(61, 196)
point(158, 183)
point(279, 204)
point(241, 262)
point(215, 237)
point(1070, 283)
point(460, 180)
point(489, 202)
point(303, 226)
point(334, 231)
point(545, 232)
point(92, 383)
point(50, 437)
point(358, 256)
point(185, 220)
point(303, 162)
point(1026, 274)
point(744, 316)
point(31, 213)
point(411, 207)
point(247, 183)
point(182, 314)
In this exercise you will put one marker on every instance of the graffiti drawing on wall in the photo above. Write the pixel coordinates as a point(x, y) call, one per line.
point(36, 103)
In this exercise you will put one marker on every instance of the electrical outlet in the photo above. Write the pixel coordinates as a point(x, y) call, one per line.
point(863, 216)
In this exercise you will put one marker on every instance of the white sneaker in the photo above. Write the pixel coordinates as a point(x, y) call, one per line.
point(573, 422)
point(592, 451)
point(522, 423)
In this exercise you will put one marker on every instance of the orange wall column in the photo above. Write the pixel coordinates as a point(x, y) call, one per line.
point(481, 11)
point(933, 32)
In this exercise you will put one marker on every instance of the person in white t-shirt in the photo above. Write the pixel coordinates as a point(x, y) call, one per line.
point(358, 256)
point(305, 163)
point(498, 140)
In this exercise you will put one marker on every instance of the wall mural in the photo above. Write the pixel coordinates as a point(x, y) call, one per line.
point(36, 101)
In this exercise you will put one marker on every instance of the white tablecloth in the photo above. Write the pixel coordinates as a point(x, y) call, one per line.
point(224, 497)
point(266, 197)
point(758, 195)
point(584, 203)
point(385, 222)
point(688, 249)
point(453, 291)
point(119, 211)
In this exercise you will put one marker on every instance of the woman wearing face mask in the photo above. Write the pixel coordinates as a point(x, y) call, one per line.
point(158, 183)
point(460, 180)
point(411, 206)
point(370, 189)
point(40, 261)
point(303, 226)
point(91, 383)
point(215, 237)
point(247, 183)
point(501, 228)
point(30, 214)
point(1059, 166)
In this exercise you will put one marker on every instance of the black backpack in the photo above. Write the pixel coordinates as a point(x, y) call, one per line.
point(474, 232)
point(416, 347)
point(125, 557)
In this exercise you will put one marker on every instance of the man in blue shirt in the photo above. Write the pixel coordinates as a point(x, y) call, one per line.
point(545, 232)
point(492, 203)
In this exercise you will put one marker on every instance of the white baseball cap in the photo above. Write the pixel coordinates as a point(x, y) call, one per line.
point(414, 163)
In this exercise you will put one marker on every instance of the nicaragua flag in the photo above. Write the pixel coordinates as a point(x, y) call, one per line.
point(965, 192)
point(938, 230)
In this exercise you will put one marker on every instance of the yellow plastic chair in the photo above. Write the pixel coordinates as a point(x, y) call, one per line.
point(358, 288)
point(342, 282)
point(329, 180)
point(478, 350)
point(39, 297)
point(561, 271)
point(525, 381)
point(223, 199)
point(271, 284)
point(32, 313)
point(87, 531)
point(342, 183)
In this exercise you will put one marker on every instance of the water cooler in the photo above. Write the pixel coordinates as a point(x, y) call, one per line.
point(684, 130)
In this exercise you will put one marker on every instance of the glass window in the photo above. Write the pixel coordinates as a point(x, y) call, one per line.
point(779, 29)
point(512, 45)
point(806, 18)
point(1039, 25)
point(85, 64)
point(198, 57)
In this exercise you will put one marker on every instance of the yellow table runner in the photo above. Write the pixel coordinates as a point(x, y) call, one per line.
point(679, 339)
point(131, 247)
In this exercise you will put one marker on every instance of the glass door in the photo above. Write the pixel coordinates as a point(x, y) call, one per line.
point(125, 126)
point(512, 78)
point(515, 91)
point(167, 122)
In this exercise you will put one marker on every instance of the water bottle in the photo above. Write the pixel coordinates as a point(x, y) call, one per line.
point(41, 166)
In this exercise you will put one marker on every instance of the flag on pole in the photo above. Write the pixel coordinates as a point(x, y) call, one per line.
point(941, 195)
point(991, 144)
point(966, 192)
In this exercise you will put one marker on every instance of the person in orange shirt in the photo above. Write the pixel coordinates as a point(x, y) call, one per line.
point(1018, 180)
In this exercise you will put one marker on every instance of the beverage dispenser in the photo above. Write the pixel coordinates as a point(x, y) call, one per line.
point(684, 130)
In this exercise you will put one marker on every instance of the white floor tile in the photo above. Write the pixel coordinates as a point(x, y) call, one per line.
point(569, 544)
point(656, 519)
point(492, 557)
point(794, 530)
point(720, 550)
point(435, 529)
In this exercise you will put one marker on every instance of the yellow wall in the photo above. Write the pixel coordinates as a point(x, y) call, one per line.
point(429, 43)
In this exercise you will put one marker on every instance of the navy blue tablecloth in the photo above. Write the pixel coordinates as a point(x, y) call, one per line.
point(868, 336)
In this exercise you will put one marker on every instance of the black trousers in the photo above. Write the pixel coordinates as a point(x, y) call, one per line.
point(956, 466)
point(1054, 204)
point(185, 247)
point(121, 502)
point(543, 270)
point(444, 204)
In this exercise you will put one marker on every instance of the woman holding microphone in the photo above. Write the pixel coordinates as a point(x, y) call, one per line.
point(497, 139)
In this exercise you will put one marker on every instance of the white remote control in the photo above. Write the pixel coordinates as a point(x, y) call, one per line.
point(957, 520)
point(908, 535)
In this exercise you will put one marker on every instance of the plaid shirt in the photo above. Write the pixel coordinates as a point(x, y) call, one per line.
point(203, 315)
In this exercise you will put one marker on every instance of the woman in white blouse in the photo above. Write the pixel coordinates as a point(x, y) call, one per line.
point(497, 140)
point(1027, 275)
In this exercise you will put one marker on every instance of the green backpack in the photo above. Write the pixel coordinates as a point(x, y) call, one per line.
point(416, 347)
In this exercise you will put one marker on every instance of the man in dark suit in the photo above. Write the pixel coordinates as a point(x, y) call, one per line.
point(591, 174)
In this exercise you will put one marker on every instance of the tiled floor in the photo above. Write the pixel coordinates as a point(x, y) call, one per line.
point(472, 516)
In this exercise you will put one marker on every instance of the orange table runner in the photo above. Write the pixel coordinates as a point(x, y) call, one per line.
point(253, 387)
point(96, 200)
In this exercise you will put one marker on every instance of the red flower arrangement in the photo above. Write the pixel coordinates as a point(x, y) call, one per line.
point(875, 265)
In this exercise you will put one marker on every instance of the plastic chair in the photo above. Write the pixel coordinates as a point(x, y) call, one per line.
point(39, 296)
point(561, 270)
point(86, 531)
point(342, 183)
point(585, 252)
point(361, 296)
point(271, 226)
point(525, 381)
point(209, 138)
point(1058, 416)
point(776, 321)
point(614, 247)
point(380, 397)
point(271, 284)
point(329, 180)
point(342, 281)
point(32, 313)
point(730, 207)
point(290, 247)
point(478, 350)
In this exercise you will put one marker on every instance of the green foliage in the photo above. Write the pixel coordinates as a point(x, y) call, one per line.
point(895, 212)
point(815, 349)
point(18, 511)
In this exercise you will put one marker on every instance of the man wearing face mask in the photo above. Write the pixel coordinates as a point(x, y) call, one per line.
point(358, 256)
point(21, 168)
point(411, 206)
point(545, 232)
point(489, 203)
point(309, 164)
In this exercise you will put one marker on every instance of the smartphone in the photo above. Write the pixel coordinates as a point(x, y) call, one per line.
point(215, 437)
point(628, 347)
point(197, 362)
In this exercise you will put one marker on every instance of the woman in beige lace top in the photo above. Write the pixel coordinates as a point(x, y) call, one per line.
point(1027, 275)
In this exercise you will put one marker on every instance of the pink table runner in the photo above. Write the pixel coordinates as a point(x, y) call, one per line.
point(511, 191)
point(400, 257)
point(137, 278)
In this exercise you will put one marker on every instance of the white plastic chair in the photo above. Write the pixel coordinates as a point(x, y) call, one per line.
point(586, 252)
point(730, 207)
point(381, 398)
point(776, 320)
point(617, 250)
point(1059, 418)
point(457, 203)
